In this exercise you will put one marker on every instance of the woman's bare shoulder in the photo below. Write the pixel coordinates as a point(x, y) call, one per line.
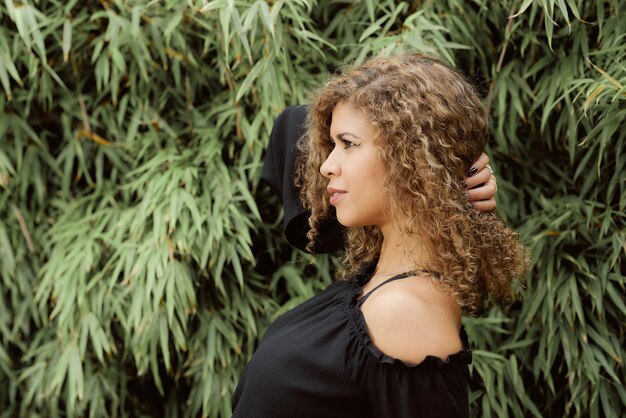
point(410, 319)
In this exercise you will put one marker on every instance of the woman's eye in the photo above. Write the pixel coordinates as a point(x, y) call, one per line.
point(347, 144)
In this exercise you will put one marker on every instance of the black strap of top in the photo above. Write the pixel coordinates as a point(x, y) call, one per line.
point(396, 277)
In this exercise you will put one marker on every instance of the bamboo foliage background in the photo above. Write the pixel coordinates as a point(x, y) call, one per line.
point(141, 260)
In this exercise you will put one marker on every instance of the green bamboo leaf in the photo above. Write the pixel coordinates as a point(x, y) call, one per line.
point(549, 28)
point(572, 5)
point(525, 5)
point(54, 75)
point(7, 66)
point(254, 73)
point(21, 22)
point(225, 24)
point(170, 290)
point(190, 203)
point(29, 20)
point(4, 79)
point(605, 364)
point(67, 39)
point(575, 298)
point(266, 16)
point(564, 12)
point(60, 370)
point(241, 35)
point(76, 385)
point(374, 27)
point(616, 298)
point(171, 26)
point(118, 59)
point(236, 263)
point(164, 340)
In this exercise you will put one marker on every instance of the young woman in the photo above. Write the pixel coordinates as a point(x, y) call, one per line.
point(386, 151)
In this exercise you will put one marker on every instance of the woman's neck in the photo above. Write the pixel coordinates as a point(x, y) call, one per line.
point(399, 251)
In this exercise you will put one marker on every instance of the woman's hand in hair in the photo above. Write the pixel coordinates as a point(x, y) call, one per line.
point(481, 185)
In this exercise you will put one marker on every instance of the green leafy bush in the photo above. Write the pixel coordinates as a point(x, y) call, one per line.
point(141, 260)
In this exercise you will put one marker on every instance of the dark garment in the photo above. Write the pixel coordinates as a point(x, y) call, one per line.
point(279, 169)
point(317, 360)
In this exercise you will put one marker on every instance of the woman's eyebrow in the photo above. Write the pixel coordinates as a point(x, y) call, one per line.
point(341, 135)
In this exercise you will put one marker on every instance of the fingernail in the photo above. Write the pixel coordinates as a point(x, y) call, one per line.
point(473, 171)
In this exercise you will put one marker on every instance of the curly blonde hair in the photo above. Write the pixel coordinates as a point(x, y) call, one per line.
point(431, 126)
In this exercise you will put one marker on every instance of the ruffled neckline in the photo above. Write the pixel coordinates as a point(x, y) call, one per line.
point(358, 326)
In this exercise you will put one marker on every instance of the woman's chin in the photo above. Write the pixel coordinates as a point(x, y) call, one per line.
point(346, 221)
point(349, 222)
point(352, 222)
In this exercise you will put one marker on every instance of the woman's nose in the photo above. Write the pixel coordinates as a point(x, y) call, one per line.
point(330, 167)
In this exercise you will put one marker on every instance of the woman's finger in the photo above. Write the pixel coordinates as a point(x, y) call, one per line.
point(479, 178)
point(484, 192)
point(479, 164)
point(485, 205)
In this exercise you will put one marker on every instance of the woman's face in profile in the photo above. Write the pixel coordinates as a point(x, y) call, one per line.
point(354, 169)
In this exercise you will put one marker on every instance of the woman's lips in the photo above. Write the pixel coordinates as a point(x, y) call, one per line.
point(336, 196)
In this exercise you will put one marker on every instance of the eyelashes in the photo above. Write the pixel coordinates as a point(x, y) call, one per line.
point(346, 144)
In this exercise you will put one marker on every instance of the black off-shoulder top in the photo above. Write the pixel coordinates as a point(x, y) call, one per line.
point(318, 360)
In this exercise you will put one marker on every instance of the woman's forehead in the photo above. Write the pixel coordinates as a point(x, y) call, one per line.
point(347, 117)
